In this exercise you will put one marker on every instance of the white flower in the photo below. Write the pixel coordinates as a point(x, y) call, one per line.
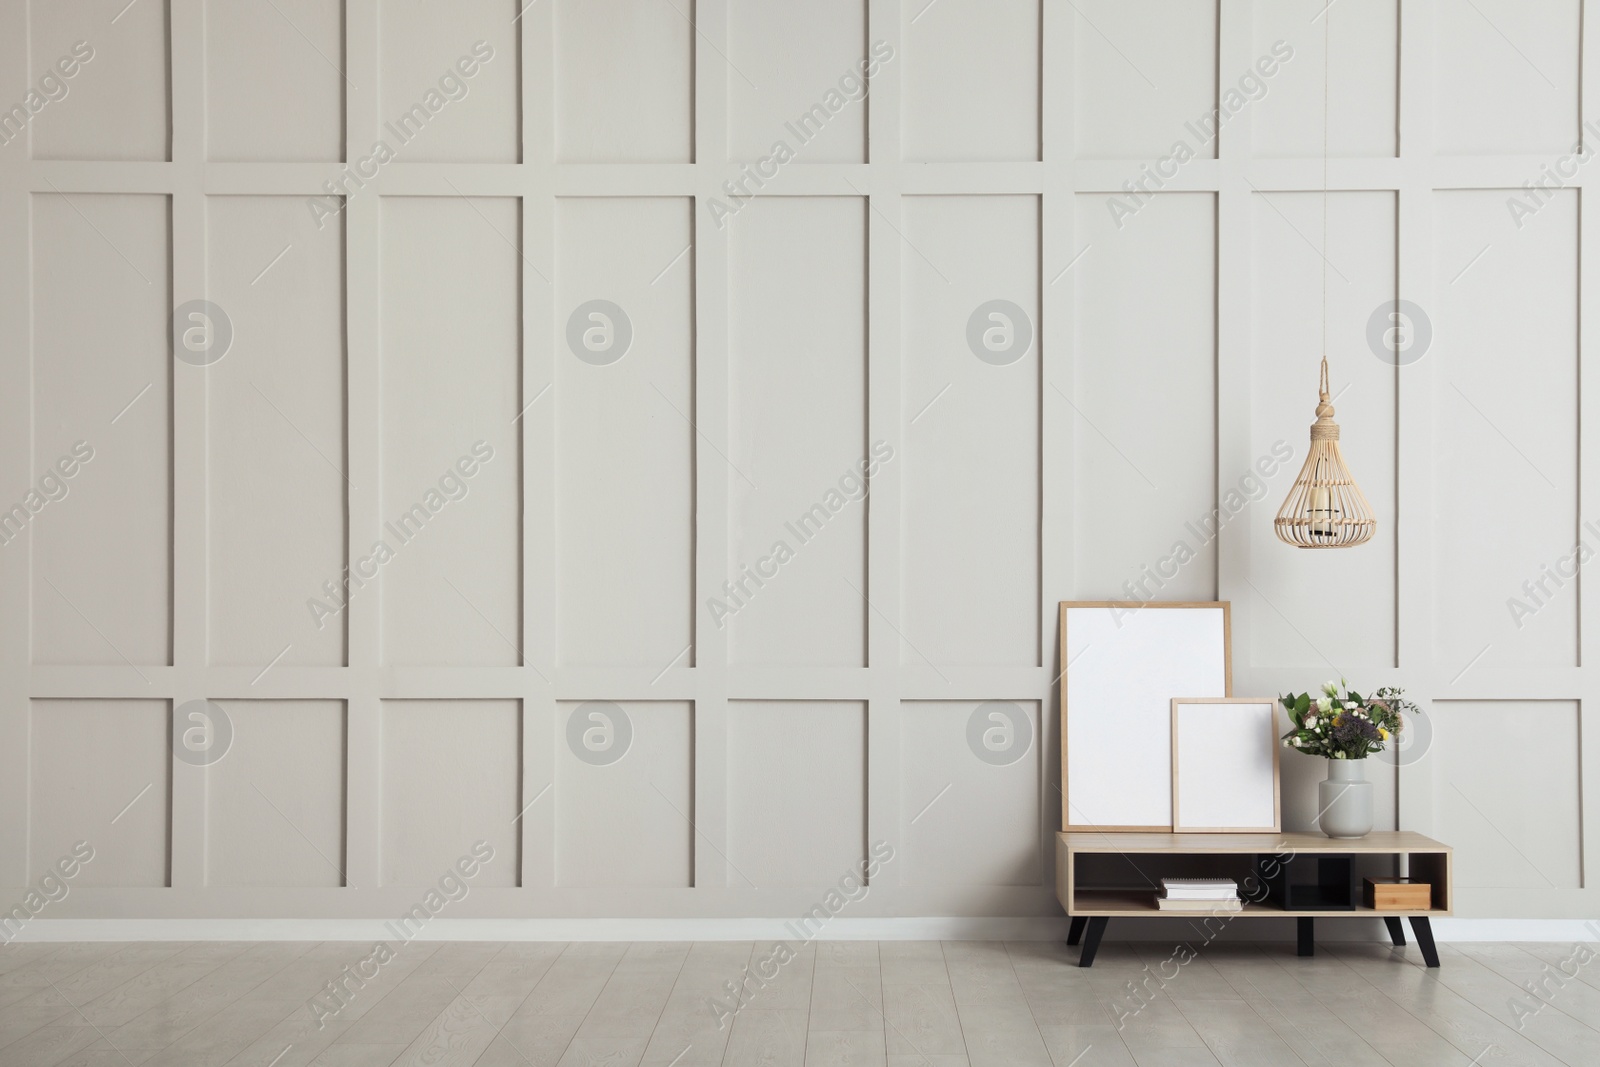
point(1324, 704)
point(1351, 705)
point(1331, 689)
point(1311, 723)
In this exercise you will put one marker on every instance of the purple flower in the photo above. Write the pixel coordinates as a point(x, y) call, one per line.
point(1355, 733)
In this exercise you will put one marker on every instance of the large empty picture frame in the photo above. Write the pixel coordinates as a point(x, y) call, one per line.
point(1123, 663)
point(1225, 765)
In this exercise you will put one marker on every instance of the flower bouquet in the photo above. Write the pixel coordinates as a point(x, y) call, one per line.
point(1345, 728)
point(1344, 725)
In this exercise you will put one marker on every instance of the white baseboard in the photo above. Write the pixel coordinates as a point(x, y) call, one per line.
point(1516, 930)
point(840, 929)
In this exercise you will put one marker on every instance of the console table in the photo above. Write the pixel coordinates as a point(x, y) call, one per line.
point(1105, 876)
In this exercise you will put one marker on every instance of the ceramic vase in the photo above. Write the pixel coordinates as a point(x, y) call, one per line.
point(1345, 800)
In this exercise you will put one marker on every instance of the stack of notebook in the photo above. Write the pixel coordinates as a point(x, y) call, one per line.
point(1199, 894)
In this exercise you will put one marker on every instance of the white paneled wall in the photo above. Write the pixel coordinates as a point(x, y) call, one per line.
point(625, 505)
point(276, 492)
point(516, 492)
point(291, 770)
point(102, 574)
point(1147, 339)
point(798, 382)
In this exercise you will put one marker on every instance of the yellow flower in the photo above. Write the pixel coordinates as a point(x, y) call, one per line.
point(1338, 720)
point(1383, 733)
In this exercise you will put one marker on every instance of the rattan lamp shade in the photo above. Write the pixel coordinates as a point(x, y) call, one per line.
point(1325, 508)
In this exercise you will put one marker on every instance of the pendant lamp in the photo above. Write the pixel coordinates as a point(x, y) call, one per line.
point(1325, 507)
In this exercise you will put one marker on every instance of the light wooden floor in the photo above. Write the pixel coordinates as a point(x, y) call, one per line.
point(891, 1003)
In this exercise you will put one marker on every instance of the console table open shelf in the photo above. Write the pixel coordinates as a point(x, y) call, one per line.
point(1148, 857)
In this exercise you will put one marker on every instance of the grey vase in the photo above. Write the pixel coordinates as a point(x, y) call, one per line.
point(1346, 800)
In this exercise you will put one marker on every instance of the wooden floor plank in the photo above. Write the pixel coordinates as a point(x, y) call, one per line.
point(932, 1004)
point(1429, 998)
point(700, 1014)
point(1546, 986)
point(1314, 1033)
point(997, 1025)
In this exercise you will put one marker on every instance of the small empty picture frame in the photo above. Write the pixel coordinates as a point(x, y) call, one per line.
point(1225, 765)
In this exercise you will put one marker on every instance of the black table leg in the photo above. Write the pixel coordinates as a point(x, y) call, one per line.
point(1304, 934)
point(1075, 932)
point(1424, 931)
point(1091, 941)
point(1397, 932)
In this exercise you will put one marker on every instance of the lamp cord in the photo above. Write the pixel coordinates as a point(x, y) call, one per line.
point(1327, 35)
